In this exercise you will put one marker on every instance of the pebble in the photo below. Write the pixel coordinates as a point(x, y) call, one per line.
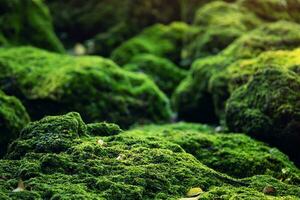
point(101, 142)
point(270, 190)
point(21, 187)
point(193, 192)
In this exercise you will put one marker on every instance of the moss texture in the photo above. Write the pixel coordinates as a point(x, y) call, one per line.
point(100, 17)
point(273, 10)
point(27, 22)
point(13, 117)
point(193, 98)
point(234, 154)
point(50, 83)
point(219, 24)
point(224, 82)
point(267, 108)
point(161, 40)
point(162, 71)
point(74, 165)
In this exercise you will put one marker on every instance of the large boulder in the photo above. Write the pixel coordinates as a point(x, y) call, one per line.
point(268, 108)
point(162, 71)
point(273, 10)
point(27, 22)
point(193, 99)
point(13, 117)
point(78, 165)
point(234, 154)
point(219, 24)
point(96, 17)
point(161, 40)
point(49, 83)
point(224, 82)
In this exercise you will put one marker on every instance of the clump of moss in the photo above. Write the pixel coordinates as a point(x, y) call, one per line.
point(161, 70)
point(13, 117)
point(234, 154)
point(273, 10)
point(224, 82)
point(121, 167)
point(27, 22)
point(50, 84)
point(193, 98)
point(267, 108)
point(99, 18)
point(161, 40)
point(219, 24)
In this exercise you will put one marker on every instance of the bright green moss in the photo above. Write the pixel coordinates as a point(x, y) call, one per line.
point(224, 82)
point(162, 71)
point(161, 40)
point(193, 98)
point(219, 24)
point(267, 108)
point(274, 9)
point(122, 167)
point(50, 83)
point(27, 22)
point(234, 154)
point(13, 117)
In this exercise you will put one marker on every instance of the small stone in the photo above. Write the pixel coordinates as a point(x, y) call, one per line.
point(21, 187)
point(193, 192)
point(191, 198)
point(79, 49)
point(101, 142)
point(120, 157)
point(270, 190)
point(219, 129)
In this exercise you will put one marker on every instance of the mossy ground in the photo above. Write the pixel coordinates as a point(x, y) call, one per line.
point(63, 161)
point(234, 154)
point(233, 64)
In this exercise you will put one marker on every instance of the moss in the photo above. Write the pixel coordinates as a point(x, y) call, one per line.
point(92, 18)
point(13, 117)
point(27, 22)
point(219, 24)
point(224, 82)
point(273, 10)
point(103, 129)
point(193, 98)
point(161, 40)
point(267, 108)
point(234, 154)
point(162, 71)
point(50, 83)
point(126, 167)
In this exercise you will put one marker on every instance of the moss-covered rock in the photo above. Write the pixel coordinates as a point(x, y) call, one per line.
point(100, 17)
point(49, 83)
point(193, 98)
point(27, 22)
point(273, 10)
point(122, 167)
point(268, 108)
point(161, 40)
point(224, 82)
point(219, 24)
point(234, 154)
point(13, 117)
point(161, 70)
